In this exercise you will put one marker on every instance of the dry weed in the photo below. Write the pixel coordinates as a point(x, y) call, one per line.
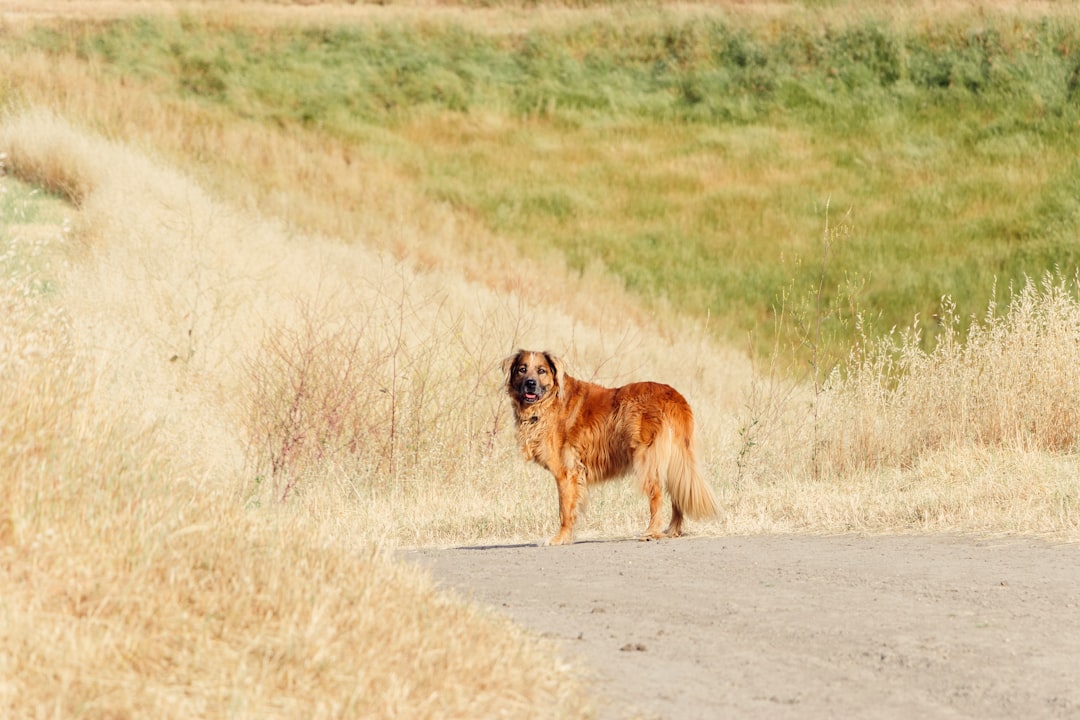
point(977, 434)
point(1009, 384)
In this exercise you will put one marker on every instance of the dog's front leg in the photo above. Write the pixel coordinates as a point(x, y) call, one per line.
point(571, 484)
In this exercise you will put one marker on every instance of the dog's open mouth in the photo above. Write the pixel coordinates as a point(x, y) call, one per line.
point(529, 398)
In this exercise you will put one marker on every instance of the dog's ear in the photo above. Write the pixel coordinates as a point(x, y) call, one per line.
point(558, 367)
point(508, 365)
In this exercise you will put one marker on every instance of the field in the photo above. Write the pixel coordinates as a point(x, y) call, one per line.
point(260, 263)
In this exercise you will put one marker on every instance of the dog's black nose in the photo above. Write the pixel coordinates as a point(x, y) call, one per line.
point(530, 385)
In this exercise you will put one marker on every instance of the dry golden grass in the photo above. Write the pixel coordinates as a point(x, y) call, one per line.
point(138, 579)
point(977, 435)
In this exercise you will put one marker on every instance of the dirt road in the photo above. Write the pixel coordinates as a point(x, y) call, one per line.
point(798, 627)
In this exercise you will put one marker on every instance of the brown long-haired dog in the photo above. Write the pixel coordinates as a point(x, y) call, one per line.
point(585, 433)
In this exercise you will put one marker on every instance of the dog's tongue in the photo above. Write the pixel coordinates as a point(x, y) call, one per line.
point(530, 397)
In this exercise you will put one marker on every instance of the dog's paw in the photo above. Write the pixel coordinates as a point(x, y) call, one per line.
point(560, 539)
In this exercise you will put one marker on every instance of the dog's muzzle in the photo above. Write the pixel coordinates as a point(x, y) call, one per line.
point(530, 391)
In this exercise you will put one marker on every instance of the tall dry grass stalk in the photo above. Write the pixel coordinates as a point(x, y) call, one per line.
point(1011, 384)
point(977, 434)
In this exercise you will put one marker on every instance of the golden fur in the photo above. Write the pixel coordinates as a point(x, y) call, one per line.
point(585, 433)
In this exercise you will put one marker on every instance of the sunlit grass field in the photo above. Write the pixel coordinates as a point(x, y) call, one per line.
point(260, 263)
point(691, 154)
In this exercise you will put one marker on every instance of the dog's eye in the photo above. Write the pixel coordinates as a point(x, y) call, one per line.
point(521, 369)
point(541, 371)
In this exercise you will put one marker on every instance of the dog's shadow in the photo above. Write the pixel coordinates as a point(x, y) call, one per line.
point(542, 546)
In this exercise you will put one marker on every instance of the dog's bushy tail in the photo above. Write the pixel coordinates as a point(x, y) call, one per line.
point(685, 484)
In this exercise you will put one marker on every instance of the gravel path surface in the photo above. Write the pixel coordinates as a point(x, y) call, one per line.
point(798, 626)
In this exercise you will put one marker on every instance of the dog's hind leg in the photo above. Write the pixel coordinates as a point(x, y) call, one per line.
point(649, 476)
point(675, 528)
point(656, 502)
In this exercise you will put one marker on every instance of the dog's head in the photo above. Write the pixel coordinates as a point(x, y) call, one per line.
point(531, 376)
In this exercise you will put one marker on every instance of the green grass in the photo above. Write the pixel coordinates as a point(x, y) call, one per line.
point(28, 222)
point(694, 159)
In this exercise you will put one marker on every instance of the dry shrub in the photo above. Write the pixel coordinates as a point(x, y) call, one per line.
point(313, 399)
point(40, 162)
point(384, 391)
point(1012, 383)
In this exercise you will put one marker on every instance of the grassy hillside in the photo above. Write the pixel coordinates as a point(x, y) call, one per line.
point(259, 266)
point(691, 155)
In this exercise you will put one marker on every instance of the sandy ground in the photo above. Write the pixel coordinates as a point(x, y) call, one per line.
point(796, 626)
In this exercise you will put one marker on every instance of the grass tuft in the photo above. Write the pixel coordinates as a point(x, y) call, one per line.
point(1006, 385)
